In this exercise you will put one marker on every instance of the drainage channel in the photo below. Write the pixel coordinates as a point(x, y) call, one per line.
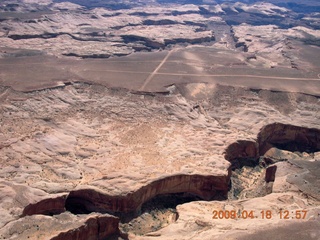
point(253, 171)
point(156, 213)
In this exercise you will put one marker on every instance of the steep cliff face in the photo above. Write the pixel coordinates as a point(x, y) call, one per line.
point(252, 162)
point(95, 203)
point(94, 228)
point(89, 200)
point(270, 141)
point(49, 206)
point(242, 153)
point(85, 201)
point(288, 137)
point(63, 226)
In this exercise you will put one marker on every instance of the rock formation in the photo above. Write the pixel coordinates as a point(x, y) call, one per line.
point(288, 137)
point(100, 182)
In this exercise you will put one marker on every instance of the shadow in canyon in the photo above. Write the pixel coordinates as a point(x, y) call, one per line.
point(252, 174)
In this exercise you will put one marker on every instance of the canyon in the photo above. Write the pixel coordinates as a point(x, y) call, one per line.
point(82, 160)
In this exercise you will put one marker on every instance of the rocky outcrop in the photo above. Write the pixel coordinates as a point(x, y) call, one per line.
point(94, 228)
point(100, 33)
point(87, 56)
point(271, 140)
point(87, 201)
point(63, 226)
point(159, 22)
point(156, 44)
point(26, 36)
point(249, 177)
point(271, 173)
point(90, 200)
point(242, 153)
point(49, 206)
point(189, 40)
point(288, 137)
point(275, 142)
point(241, 45)
point(146, 41)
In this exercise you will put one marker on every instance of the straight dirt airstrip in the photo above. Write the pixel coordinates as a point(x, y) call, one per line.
point(155, 71)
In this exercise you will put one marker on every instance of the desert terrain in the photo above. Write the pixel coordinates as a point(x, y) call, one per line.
point(159, 119)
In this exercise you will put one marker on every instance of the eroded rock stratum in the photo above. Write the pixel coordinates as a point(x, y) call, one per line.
point(80, 162)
